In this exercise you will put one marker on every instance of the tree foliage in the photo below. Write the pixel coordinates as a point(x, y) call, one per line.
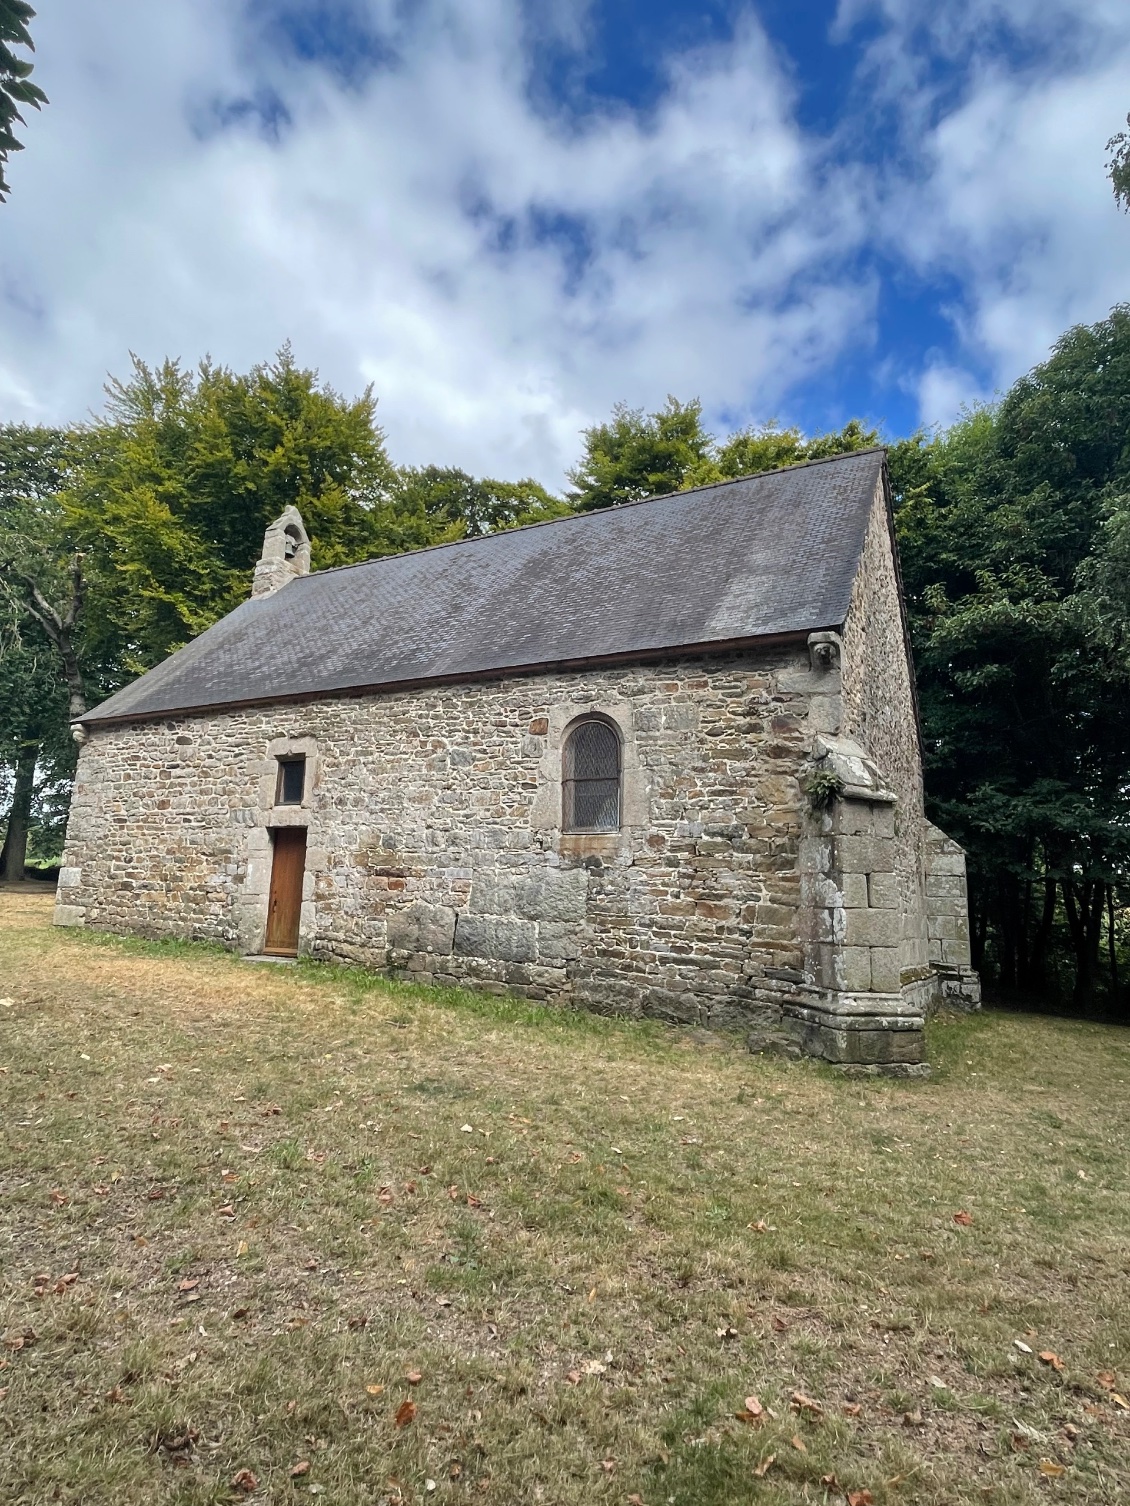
point(436, 504)
point(638, 454)
point(1118, 167)
point(16, 87)
point(180, 479)
point(1013, 527)
point(36, 752)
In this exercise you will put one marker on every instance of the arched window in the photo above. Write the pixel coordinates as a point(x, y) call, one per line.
point(591, 778)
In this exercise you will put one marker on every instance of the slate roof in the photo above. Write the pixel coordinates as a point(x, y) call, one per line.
point(761, 556)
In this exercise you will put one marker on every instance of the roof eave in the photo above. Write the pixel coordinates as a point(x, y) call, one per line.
point(92, 721)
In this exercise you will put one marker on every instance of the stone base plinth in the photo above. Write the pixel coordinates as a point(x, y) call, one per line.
point(856, 1029)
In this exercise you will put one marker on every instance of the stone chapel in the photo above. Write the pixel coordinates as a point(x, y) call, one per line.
point(658, 760)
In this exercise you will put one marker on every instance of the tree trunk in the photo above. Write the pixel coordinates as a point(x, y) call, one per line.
point(59, 627)
point(1035, 967)
point(14, 855)
point(1111, 944)
point(1084, 904)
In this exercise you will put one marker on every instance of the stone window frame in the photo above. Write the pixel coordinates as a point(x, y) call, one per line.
point(570, 731)
point(278, 749)
point(635, 804)
point(285, 763)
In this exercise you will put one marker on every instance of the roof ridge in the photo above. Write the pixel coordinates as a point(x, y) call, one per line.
point(595, 512)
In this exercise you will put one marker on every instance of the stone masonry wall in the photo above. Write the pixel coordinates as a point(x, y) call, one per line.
point(879, 713)
point(947, 919)
point(434, 844)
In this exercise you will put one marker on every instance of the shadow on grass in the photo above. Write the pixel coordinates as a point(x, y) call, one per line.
point(358, 983)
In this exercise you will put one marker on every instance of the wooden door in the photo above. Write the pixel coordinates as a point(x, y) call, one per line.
point(284, 908)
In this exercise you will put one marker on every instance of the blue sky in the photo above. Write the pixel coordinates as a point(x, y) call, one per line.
point(508, 215)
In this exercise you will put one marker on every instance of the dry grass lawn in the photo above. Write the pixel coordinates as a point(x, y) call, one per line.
point(284, 1234)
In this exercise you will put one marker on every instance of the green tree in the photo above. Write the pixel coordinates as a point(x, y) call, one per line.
point(36, 753)
point(1010, 535)
point(16, 88)
point(637, 454)
point(433, 504)
point(182, 476)
point(1118, 167)
point(766, 447)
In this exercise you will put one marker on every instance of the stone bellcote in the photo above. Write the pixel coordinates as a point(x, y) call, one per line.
point(286, 553)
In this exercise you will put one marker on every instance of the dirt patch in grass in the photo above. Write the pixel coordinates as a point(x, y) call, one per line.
point(383, 1245)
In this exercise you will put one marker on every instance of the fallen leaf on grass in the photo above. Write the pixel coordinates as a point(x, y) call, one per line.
point(636, 1500)
point(760, 1227)
point(405, 1413)
point(963, 1218)
point(799, 1444)
point(299, 1469)
point(178, 1443)
point(780, 1325)
point(1022, 1346)
point(830, 1482)
point(189, 1284)
point(860, 1498)
point(573, 1378)
point(762, 1469)
point(243, 1480)
point(852, 1408)
point(806, 1404)
point(608, 1465)
point(1050, 1467)
point(414, 1377)
point(1048, 1357)
point(374, 1390)
point(1120, 1401)
point(1106, 1379)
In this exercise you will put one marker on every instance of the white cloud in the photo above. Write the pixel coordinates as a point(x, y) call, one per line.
point(944, 391)
point(1018, 207)
point(1008, 195)
point(392, 231)
point(502, 274)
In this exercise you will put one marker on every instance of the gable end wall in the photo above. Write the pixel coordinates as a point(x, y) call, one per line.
point(880, 713)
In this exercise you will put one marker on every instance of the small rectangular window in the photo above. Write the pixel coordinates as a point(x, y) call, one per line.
point(292, 781)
